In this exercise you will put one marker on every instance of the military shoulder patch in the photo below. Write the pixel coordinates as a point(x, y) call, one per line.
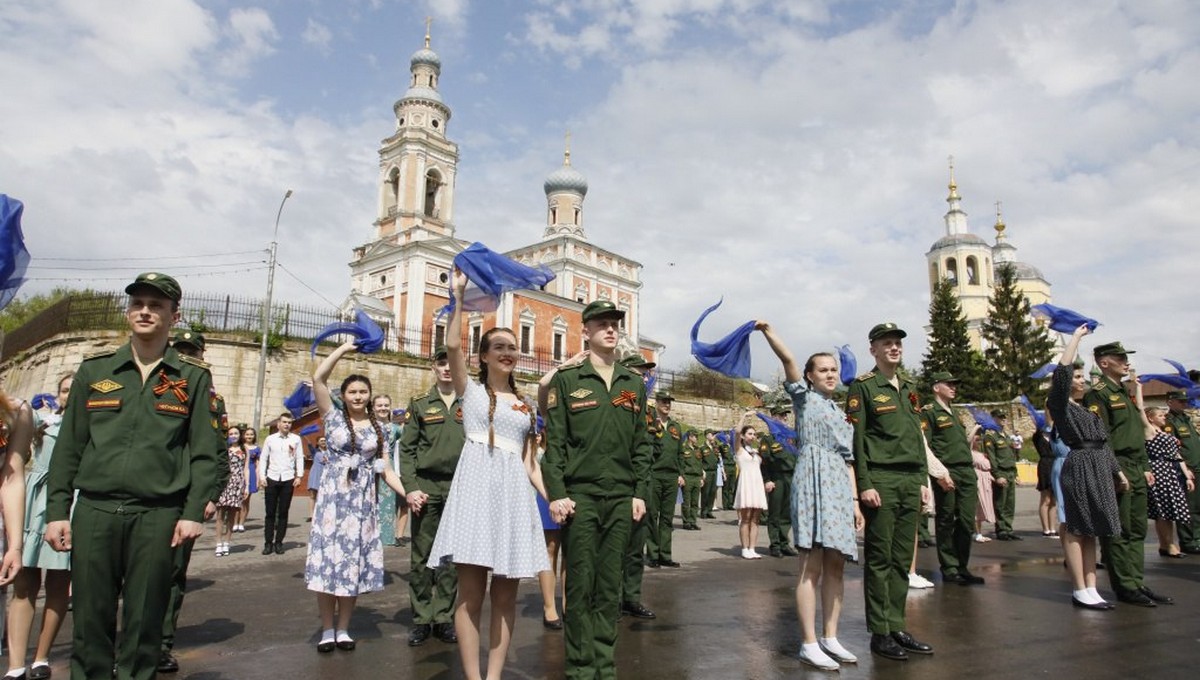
point(1094, 408)
point(195, 362)
point(552, 398)
point(865, 376)
point(106, 352)
point(853, 404)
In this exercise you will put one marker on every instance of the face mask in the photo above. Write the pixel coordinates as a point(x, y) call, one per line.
point(233, 438)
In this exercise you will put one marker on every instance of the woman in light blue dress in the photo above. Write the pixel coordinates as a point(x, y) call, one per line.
point(345, 557)
point(382, 405)
point(825, 514)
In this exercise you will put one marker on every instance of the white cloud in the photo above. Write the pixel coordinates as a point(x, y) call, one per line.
point(318, 35)
point(252, 34)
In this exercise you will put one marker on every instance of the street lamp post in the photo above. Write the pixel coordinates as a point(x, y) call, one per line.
point(266, 321)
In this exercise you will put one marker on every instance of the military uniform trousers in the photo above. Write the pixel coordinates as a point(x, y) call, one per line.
point(691, 500)
point(779, 514)
point(888, 547)
point(660, 515)
point(594, 544)
point(955, 519)
point(1189, 532)
point(431, 591)
point(182, 558)
point(708, 493)
point(729, 489)
point(634, 567)
point(1124, 556)
point(1004, 500)
point(120, 553)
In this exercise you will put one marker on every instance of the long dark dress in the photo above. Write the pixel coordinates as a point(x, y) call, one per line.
point(1168, 497)
point(1089, 496)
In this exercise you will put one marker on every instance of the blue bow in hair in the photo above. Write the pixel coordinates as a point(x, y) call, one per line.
point(44, 400)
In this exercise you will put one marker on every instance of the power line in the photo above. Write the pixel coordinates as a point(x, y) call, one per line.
point(302, 283)
point(185, 275)
point(137, 259)
point(172, 267)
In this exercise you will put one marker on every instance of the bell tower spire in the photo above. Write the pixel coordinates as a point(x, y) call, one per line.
point(956, 219)
point(565, 190)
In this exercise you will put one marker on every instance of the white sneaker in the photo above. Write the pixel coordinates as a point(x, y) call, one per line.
point(818, 659)
point(754, 554)
point(980, 538)
point(225, 551)
point(918, 582)
point(217, 550)
point(746, 554)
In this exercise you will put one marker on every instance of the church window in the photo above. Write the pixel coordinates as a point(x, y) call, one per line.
point(401, 121)
point(952, 270)
point(972, 271)
point(558, 346)
point(577, 217)
point(439, 335)
point(391, 193)
point(554, 216)
point(435, 123)
point(431, 85)
point(476, 334)
point(433, 185)
point(526, 339)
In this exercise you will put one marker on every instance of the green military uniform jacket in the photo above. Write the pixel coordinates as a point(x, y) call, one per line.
point(596, 441)
point(1111, 402)
point(946, 435)
point(710, 456)
point(777, 464)
point(887, 426)
point(1180, 425)
point(667, 450)
point(431, 443)
point(220, 423)
point(999, 450)
point(692, 461)
point(124, 443)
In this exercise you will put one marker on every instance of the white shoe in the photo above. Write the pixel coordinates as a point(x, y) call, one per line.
point(217, 550)
point(818, 659)
point(836, 651)
point(225, 550)
point(980, 538)
point(754, 554)
point(746, 554)
point(918, 582)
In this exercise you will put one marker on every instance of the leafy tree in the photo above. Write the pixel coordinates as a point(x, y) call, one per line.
point(1016, 345)
point(950, 346)
point(20, 311)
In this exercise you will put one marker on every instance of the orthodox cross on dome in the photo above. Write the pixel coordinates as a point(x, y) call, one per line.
point(999, 227)
point(567, 149)
point(428, 25)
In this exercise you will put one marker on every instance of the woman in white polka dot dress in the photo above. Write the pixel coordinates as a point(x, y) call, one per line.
point(491, 521)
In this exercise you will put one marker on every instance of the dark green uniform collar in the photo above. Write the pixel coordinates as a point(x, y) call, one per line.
point(124, 355)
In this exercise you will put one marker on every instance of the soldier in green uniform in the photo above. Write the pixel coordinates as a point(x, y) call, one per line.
point(1124, 555)
point(191, 344)
point(711, 455)
point(729, 474)
point(666, 477)
point(634, 567)
point(955, 508)
point(137, 443)
point(1003, 459)
point(890, 471)
point(430, 446)
point(597, 471)
point(693, 477)
point(778, 468)
point(1179, 423)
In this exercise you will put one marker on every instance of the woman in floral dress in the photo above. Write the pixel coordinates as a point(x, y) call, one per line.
point(825, 514)
point(235, 491)
point(345, 557)
point(253, 451)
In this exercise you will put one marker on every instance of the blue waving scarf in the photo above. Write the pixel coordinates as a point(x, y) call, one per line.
point(984, 419)
point(309, 429)
point(1038, 418)
point(1179, 382)
point(14, 258)
point(730, 355)
point(300, 399)
point(725, 436)
point(783, 434)
point(491, 275)
point(849, 365)
point(1062, 319)
point(46, 400)
point(651, 380)
point(1045, 371)
point(369, 334)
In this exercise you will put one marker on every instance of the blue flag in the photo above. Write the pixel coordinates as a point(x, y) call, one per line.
point(491, 275)
point(300, 399)
point(651, 379)
point(1177, 366)
point(14, 258)
point(984, 419)
point(1062, 319)
point(730, 355)
point(1179, 382)
point(44, 400)
point(849, 365)
point(1045, 371)
point(1038, 418)
point(783, 434)
point(369, 334)
point(725, 437)
point(309, 429)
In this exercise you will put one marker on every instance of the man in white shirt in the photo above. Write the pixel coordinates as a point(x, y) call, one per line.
point(279, 471)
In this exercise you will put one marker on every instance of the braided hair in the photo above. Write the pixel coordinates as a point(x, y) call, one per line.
point(485, 343)
point(381, 446)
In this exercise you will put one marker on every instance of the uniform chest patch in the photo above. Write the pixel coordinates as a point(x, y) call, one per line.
point(174, 409)
point(434, 410)
point(105, 386)
point(104, 404)
point(581, 393)
point(580, 405)
point(881, 398)
point(885, 409)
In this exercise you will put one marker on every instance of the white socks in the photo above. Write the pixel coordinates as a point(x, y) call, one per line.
point(1095, 594)
point(811, 653)
point(327, 635)
point(1086, 596)
point(833, 648)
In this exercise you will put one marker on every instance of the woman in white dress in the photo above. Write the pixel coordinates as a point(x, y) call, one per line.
point(491, 522)
point(751, 497)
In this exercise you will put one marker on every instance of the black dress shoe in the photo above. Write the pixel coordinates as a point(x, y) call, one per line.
point(1158, 599)
point(910, 644)
point(1135, 597)
point(326, 646)
point(445, 633)
point(419, 634)
point(653, 564)
point(789, 551)
point(166, 663)
point(552, 624)
point(346, 644)
point(885, 646)
point(1168, 553)
point(670, 563)
point(279, 550)
point(637, 610)
point(1191, 550)
point(954, 578)
point(1003, 537)
point(966, 578)
point(1098, 606)
point(268, 549)
point(775, 552)
point(1014, 537)
point(42, 672)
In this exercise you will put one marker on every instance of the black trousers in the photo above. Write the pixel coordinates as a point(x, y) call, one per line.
point(277, 498)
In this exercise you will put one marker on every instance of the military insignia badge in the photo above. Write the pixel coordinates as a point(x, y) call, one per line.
point(852, 404)
point(433, 410)
point(881, 399)
point(1094, 408)
point(105, 386)
point(580, 393)
point(552, 399)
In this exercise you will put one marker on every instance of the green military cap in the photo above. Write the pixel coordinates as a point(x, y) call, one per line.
point(1109, 349)
point(999, 415)
point(638, 361)
point(162, 283)
point(664, 395)
point(184, 336)
point(1181, 395)
point(692, 433)
point(440, 352)
point(601, 308)
point(943, 377)
point(887, 328)
point(779, 407)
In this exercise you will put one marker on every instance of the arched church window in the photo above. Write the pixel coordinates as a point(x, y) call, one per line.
point(430, 81)
point(972, 271)
point(933, 274)
point(577, 217)
point(435, 123)
point(391, 191)
point(554, 216)
point(433, 185)
point(952, 269)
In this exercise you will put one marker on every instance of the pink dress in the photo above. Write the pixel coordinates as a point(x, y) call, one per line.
point(984, 511)
point(750, 490)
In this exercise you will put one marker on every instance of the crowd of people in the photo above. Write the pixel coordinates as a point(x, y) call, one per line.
point(575, 485)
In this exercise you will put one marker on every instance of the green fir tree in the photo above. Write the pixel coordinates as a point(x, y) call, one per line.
point(950, 348)
point(1016, 345)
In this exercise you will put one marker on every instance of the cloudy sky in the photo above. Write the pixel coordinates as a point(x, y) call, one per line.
point(788, 155)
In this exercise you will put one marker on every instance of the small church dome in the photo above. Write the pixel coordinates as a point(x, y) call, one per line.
point(427, 57)
point(566, 178)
